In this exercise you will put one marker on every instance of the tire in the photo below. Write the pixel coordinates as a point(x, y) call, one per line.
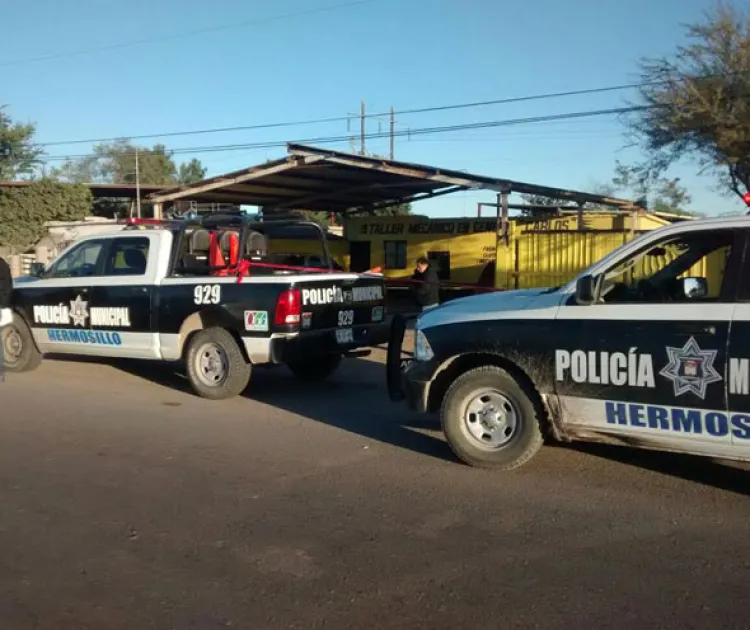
point(316, 368)
point(215, 365)
point(19, 351)
point(517, 437)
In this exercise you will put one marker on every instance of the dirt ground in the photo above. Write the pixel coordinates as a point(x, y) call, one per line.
point(127, 502)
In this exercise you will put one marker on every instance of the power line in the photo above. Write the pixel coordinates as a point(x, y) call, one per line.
point(402, 133)
point(211, 29)
point(420, 110)
point(315, 121)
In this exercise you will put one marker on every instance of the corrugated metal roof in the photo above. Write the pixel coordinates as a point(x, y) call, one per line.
point(310, 178)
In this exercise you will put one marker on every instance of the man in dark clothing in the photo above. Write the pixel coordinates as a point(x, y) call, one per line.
point(427, 284)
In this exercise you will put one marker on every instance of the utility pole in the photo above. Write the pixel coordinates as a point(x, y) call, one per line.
point(393, 128)
point(362, 131)
point(137, 186)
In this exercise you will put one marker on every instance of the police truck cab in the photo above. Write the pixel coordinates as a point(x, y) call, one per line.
point(649, 348)
point(202, 292)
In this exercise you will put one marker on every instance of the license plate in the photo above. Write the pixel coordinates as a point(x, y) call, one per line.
point(344, 335)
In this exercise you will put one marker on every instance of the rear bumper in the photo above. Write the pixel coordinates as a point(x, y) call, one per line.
point(318, 342)
point(6, 316)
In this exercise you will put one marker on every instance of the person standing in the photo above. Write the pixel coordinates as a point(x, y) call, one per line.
point(427, 284)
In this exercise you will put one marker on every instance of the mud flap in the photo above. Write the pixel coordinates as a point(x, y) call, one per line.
point(394, 362)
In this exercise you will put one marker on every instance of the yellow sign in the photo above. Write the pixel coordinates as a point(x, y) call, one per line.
point(550, 225)
point(435, 226)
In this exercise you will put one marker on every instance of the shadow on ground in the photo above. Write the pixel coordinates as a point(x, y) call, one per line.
point(355, 400)
point(729, 476)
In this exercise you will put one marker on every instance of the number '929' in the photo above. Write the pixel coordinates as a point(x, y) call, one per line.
point(207, 294)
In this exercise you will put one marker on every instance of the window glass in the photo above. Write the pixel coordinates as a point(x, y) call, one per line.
point(80, 262)
point(657, 273)
point(127, 257)
point(395, 254)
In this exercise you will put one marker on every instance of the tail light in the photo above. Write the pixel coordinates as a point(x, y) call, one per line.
point(288, 308)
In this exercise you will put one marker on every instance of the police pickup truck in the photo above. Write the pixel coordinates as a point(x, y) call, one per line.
point(204, 292)
point(649, 348)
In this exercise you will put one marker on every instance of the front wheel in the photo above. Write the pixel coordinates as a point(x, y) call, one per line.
point(215, 365)
point(19, 351)
point(315, 368)
point(490, 419)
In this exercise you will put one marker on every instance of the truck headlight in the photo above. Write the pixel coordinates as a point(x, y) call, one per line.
point(422, 349)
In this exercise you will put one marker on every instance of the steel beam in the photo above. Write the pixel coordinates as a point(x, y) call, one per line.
point(223, 182)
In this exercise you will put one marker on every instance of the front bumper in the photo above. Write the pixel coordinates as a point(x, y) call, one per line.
point(415, 383)
point(407, 380)
point(6, 316)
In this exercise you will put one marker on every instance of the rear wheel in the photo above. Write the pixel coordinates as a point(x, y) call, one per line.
point(20, 353)
point(490, 419)
point(315, 368)
point(215, 365)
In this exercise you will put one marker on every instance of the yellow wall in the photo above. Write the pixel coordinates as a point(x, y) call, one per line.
point(471, 242)
point(550, 259)
point(537, 253)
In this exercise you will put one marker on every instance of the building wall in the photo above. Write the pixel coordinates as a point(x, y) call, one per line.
point(537, 253)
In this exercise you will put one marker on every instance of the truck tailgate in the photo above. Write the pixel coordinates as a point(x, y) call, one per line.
point(341, 302)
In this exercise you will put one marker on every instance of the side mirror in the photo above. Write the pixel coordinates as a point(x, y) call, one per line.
point(693, 288)
point(586, 290)
point(36, 269)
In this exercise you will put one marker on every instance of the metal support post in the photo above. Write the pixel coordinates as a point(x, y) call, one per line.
point(137, 186)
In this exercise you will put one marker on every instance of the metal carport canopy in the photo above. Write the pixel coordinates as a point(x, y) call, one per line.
point(311, 178)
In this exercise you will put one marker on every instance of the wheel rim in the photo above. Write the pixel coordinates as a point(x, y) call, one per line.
point(12, 345)
point(211, 365)
point(490, 419)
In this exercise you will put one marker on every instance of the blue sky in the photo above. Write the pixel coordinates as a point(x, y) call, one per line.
point(261, 62)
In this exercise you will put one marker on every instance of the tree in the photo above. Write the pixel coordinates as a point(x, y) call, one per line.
point(541, 200)
point(698, 102)
point(640, 184)
point(24, 211)
point(18, 153)
point(602, 189)
point(651, 191)
point(191, 172)
point(115, 163)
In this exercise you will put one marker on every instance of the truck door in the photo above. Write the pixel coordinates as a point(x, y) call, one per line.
point(121, 297)
point(648, 362)
point(55, 304)
point(738, 370)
